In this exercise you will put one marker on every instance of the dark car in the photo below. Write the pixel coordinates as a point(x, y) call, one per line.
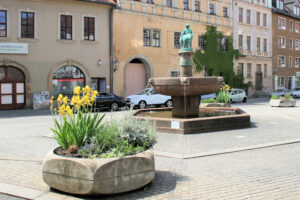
point(110, 101)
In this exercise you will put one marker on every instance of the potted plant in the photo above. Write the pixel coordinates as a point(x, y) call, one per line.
point(96, 157)
point(222, 100)
point(286, 101)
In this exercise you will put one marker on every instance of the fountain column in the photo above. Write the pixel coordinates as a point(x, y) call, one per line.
point(185, 105)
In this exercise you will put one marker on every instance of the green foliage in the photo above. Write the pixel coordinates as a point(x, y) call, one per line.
point(288, 96)
point(122, 137)
point(218, 62)
point(274, 96)
point(211, 100)
point(223, 97)
point(76, 129)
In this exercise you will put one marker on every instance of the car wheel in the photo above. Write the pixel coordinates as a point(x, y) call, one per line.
point(114, 106)
point(142, 104)
point(231, 101)
point(169, 103)
point(244, 100)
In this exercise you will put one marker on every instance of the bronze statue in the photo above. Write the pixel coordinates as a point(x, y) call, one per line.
point(186, 38)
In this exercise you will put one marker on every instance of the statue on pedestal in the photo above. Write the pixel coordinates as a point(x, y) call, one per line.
point(186, 38)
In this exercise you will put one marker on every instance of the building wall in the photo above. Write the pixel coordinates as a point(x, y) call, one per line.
point(254, 56)
point(47, 52)
point(285, 71)
point(133, 16)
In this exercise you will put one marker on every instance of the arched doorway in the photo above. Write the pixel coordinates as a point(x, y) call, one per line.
point(12, 88)
point(65, 79)
point(135, 77)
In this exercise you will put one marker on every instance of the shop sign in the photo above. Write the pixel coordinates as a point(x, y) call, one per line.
point(14, 48)
point(297, 73)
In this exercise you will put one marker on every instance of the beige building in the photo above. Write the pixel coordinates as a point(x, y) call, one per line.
point(52, 45)
point(146, 37)
point(252, 35)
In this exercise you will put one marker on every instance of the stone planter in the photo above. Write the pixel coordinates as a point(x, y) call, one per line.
point(282, 102)
point(215, 105)
point(85, 176)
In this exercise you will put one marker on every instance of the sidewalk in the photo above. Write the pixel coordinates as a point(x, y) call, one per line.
point(261, 162)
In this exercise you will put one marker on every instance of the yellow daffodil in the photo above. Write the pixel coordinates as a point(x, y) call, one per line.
point(86, 90)
point(60, 98)
point(69, 111)
point(65, 100)
point(77, 90)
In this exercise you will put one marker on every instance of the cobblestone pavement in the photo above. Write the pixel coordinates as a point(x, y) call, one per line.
point(9, 197)
point(266, 173)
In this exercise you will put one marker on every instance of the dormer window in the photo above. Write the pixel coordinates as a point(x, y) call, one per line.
point(296, 10)
point(279, 4)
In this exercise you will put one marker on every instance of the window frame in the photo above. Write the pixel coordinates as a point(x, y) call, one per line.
point(241, 15)
point(297, 64)
point(265, 70)
point(265, 20)
point(177, 72)
point(297, 24)
point(170, 3)
point(249, 70)
point(197, 6)
point(291, 27)
point(281, 25)
point(201, 43)
point(5, 24)
point(258, 44)
point(72, 27)
point(94, 28)
point(279, 61)
point(281, 42)
point(27, 25)
point(154, 40)
point(248, 19)
point(176, 43)
point(282, 81)
point(148, 38)
point(248, 42)
point(265, 45)
point(225, 11)
point(240, 42)
point(186, 5)
point(290, 61)
point(212, 9)
point(258, 19)
point(291, 43)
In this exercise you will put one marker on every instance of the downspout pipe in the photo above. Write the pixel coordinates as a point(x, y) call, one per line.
point(111, 50)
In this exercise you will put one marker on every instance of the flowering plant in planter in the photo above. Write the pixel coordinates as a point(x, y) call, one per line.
point(223, 95)
point(81, 132)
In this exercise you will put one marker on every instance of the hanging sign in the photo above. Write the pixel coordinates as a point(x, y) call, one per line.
point(14, 48)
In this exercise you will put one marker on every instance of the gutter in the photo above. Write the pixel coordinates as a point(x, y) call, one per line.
point(100, 2)
point(111, 50)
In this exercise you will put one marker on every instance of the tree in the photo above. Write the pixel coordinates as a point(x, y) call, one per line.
point(216, 57)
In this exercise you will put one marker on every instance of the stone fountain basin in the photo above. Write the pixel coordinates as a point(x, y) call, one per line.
point(174, 86)
point(238, 120)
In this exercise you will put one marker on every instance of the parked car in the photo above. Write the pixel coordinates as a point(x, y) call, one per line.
point(296, 92)
point(209, 96)
point(280, 92)
point(110, 101)
point(148, 97)
point(238, 95)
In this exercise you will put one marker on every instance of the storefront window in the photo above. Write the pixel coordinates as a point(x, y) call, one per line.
point(66, 79)
point(297, 82)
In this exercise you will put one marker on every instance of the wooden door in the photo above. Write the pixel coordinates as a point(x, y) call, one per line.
point(135, 78)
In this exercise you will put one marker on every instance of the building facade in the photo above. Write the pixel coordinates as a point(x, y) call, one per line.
point(286, 44)
point(147, 32)
point(52, 45)
point(252, 33)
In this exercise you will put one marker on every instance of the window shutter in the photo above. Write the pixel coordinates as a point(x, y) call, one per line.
point(275, 85)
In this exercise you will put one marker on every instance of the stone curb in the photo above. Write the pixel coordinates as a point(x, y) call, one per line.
point(227, 151)
point(28, 193)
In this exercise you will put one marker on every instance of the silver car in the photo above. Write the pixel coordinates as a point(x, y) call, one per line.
point(238, 95)
point(280, 92)
point(296, 92)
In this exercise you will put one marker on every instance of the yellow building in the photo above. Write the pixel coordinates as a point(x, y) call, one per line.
point(146, 37)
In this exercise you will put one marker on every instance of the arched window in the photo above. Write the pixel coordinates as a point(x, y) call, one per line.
point(65, 79)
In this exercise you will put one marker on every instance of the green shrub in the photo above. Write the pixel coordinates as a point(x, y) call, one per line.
point(211, 100)
point(274, 96)
point(288, 96)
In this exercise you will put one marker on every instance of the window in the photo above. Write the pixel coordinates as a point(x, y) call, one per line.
point(220, 44)
point(170, 3)
point(89, 28)
point(176, 40)
point(65, 79)
point(186, 4)
point(3, 23)
point(279, 4)
point(297, 62)
point(156, 38)
point(175, 73)
point(66, 27)
point(240, 42)
point(291, 25)
point(258, 68)
point(281, 23)
point(197, 6)
point(265, 45)
point(297, 27)
point(27, 25)
point(257, 18)
point(98, 84)
point(280, 81)
point(258, 44)
point(240, 69)
point(225, 11)
point(297, 44)
point(249, 69)
point(212, 9)
point(296, 10)
point(281, 61)
point(265, 20)
point(290, 61)
point(146, 37)
point(265, 70)
point(291, 43)
point(248, 16)
point(241, 11)
point(150, 1)
point(226, 45)
point(281, 42)
point(201, 42)
point(249, 43)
